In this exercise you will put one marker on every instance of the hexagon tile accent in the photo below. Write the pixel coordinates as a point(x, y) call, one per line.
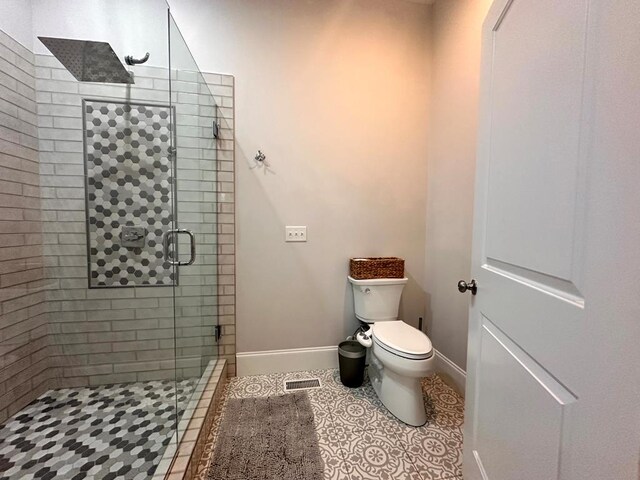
point(128, 182)
point(110, 432)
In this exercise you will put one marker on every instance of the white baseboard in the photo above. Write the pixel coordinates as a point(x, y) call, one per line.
point(282, 361)
point(320, 358)
point(453, 374)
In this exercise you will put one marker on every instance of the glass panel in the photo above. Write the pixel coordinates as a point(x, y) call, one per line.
point(195, 164)
point(100, 327)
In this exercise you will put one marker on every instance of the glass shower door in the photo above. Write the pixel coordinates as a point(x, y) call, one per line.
point(194, 237)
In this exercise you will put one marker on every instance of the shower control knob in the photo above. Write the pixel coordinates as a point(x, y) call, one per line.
point(472, 286)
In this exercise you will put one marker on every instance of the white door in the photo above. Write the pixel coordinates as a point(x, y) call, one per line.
point(554, 333)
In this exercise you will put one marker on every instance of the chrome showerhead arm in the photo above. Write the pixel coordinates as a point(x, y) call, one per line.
point(129, 60)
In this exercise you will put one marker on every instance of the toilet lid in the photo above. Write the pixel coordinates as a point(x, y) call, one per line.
point(402, 339)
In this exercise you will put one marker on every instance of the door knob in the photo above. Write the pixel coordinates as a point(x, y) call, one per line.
point(472, 286)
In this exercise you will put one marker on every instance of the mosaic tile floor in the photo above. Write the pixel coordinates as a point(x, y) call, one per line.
point(108, 432)
point(359, 439)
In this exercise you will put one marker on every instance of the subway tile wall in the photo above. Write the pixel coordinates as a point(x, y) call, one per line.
point(121, 335)
point(54, 331)
point(24, 342)
point(223, 89)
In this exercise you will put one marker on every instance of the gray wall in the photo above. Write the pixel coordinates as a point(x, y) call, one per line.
point(24, 350)
point(451, 166)
point(16, 21)
point(335, 94)
point(131, 28)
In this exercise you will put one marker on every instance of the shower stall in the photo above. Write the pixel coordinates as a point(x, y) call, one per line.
point(108, 251)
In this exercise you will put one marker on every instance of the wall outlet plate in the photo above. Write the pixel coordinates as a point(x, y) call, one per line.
point(295, 234)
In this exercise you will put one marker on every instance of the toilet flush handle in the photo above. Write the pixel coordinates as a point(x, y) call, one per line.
point(364, 339)
point(365, 290)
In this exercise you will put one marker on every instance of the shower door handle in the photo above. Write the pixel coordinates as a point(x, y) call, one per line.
point(169, 257)
point(192, 248)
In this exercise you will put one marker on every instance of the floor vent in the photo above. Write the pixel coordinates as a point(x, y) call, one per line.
point(303, 384)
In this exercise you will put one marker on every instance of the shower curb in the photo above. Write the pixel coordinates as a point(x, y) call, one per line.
point(181, 463)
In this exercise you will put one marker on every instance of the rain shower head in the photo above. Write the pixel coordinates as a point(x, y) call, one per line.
point(88, 61)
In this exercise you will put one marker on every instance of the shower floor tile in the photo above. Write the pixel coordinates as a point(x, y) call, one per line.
point(358, 438)
point(107, 432)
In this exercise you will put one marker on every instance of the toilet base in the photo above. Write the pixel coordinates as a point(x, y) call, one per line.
point(400, 394)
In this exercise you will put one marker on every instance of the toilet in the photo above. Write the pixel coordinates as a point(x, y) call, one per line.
point(400, 354)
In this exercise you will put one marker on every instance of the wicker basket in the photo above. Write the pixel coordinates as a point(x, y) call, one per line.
point(376, 267)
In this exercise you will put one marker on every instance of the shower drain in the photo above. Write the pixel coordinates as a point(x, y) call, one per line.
point(303, 384)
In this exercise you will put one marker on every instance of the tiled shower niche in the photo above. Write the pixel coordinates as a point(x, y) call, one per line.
point(128, 193)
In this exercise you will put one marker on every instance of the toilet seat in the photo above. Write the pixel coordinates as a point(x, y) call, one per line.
point(403, 340)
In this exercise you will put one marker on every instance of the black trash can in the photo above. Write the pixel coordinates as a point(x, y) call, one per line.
point(351, 357)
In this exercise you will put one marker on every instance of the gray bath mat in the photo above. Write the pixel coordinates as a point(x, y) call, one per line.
point(266, 439)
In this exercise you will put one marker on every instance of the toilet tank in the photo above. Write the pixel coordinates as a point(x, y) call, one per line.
point(378, 299)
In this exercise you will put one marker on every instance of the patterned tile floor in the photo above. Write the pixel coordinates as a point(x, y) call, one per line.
point(107, 432)
point(359, 439)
